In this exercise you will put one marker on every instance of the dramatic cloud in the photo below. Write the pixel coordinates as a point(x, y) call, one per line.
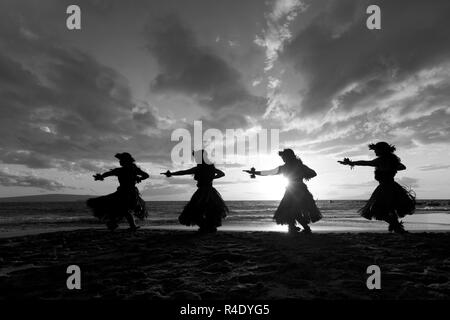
point(187, 67)
point(434, 167)
point(27, 158)
point(277, 31)
point(166, 186)
point(409, 182)
point(406, 181)
point(64, 106)
point(274, 35)
point(29, 181)
point(356, 186)
point(346, 64)
point(70, 100)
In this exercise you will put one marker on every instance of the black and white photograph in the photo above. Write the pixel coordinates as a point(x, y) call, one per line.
point(198, 152)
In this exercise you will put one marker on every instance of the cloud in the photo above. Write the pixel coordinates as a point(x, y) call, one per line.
point(409, 182)
point(345, 64)
point(27, 158)
point(273, 38)
point(29, 181)
point(61, 106)
point(35, 160)
point(183, 187)
point(421, 119)
point(188, 68)
point(327, 82)
point(145, 118)
point(277, 30)
point(360, 86)
point(428, 129)
point(434, 167)
point(406, 181)
point(363, 185)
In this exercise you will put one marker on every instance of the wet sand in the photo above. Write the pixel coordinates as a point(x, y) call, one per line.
point(171, 264)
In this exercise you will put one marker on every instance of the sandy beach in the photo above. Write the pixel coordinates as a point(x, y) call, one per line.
point(171, 264)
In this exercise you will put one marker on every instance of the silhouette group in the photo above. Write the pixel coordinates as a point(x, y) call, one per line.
point(206, 208)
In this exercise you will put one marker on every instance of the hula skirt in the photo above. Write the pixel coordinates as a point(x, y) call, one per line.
point(205, 209)
point(387, 199)
point(113, 207)
point(297, 204)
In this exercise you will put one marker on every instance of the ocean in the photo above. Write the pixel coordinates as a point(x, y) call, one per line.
point(338, 215)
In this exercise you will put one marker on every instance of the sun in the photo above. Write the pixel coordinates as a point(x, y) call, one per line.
point(273, 187)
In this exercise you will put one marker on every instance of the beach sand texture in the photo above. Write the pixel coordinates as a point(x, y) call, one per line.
point(152, 264)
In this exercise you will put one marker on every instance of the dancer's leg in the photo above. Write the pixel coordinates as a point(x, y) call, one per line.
point(306, 228)
point(292, 227)
point(111, 225)
point(207, 227)
point(304, 224)
point(394, 224)
point(130, 220)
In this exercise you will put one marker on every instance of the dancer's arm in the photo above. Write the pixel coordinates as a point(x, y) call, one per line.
point(101, 176)
point(271, 172)
point(179, 173)
point(218, 174)
point(308, 173)
point(362, 163)
point(142, 175)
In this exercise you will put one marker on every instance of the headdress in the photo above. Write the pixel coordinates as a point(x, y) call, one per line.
point(382, 146)
point(125, 156)
point(289, 153)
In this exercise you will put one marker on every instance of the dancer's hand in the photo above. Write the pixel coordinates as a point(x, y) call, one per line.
point(252, 172)
point(347, 162)
point(167, 173)
point(97, 177)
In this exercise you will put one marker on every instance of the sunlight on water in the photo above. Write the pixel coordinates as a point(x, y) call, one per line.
point(338, 216)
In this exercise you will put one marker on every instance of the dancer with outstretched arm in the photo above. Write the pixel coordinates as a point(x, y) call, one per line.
point(112, 208)
point(206, 208)
point(298, 204)
point(389, 201)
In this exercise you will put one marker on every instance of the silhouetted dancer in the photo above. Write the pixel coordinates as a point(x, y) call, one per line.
point(206, 208)
point(298, 203)
point(389, 201)
point(113, 207)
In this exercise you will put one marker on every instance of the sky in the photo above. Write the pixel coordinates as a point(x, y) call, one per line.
point(139, 70)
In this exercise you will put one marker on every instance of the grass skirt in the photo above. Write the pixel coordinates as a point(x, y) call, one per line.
point(113, 207)
point(205, 209)
point(297, 204)
point(389, 198)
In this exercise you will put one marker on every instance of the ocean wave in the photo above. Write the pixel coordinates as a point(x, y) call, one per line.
point(429, 208)
point(167, 213)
